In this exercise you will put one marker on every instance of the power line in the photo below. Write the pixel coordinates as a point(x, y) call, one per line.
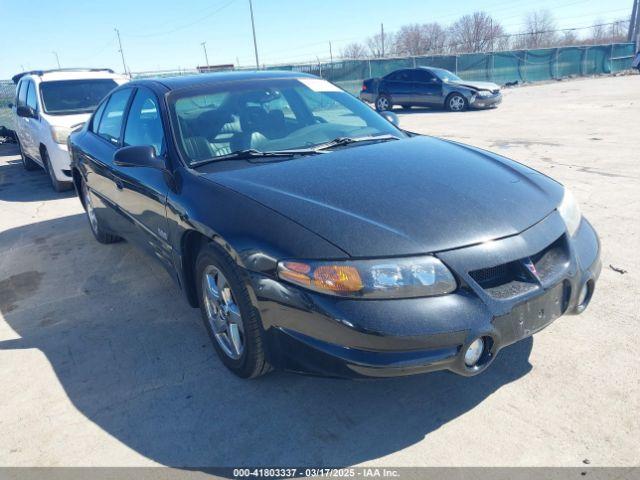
point(182, 27)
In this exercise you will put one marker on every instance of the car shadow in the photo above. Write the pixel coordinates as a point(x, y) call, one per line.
point(18, 185)
point(135, 360)
point(432, 110)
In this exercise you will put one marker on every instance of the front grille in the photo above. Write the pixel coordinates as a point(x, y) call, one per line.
point(494, 276)
point(514, 278)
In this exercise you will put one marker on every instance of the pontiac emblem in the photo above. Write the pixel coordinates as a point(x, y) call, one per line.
point(532, 268)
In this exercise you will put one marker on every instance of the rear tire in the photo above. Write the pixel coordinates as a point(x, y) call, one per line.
point(231, 320)
point(94, 221)
point(456, 102)
point(57, 185)
point(27, 163)
point(383, 103)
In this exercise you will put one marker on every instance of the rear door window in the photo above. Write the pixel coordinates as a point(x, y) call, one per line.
point(96, 117)
point(31, 97)
point(144, 125)
point(22, 94)
point(112, 117)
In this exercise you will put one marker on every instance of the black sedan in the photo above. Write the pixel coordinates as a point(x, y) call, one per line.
point(317, 236)
point(429, 87)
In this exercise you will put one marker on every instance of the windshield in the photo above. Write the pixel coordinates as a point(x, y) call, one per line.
point(268, 115)
point(446, 75)
point(74, 96)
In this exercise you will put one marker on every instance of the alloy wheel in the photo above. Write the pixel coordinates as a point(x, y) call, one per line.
point(456, 103)
point(383, 104)
point(223, 313)
point(93, 220)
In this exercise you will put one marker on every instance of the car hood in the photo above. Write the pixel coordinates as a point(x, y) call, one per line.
point(68, 120)
point(479, 85)
point(416, 195)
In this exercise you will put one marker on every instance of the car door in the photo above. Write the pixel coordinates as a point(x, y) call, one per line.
point(23, 124)
point(103, 139)
point(427, 88)
point(143, 190)
point(398, 86)
point(36, 127)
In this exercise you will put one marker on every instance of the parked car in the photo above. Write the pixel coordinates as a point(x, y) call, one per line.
point(49, 104)
point(429, 87)
point(317, 236)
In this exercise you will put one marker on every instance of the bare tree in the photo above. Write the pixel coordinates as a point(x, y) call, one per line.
point(475, 33)
point(539, 30)
point(415, 39)
point(375, 44)
point(354, 51)
point(568, 37)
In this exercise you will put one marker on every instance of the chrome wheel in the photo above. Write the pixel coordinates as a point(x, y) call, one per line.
point(223, 313)
point(93, 220)
point(382, 103)
point(456, 103)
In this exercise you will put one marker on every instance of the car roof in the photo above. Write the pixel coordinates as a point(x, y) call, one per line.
point(68, 74)
point(186, 81)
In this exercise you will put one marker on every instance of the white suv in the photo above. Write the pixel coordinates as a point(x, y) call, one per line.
point(49, 105)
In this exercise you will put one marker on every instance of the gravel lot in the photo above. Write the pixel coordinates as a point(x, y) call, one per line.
point(103, 363)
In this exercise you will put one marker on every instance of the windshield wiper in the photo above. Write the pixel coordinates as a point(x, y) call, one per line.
point(341, 141)
point(253, 153)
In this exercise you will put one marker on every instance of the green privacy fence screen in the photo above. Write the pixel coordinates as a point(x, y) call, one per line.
point(498, 67)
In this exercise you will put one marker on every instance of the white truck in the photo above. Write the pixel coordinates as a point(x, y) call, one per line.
point(49, 105)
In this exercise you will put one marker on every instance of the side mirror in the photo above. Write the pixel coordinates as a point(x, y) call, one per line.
point(27, 112)
point(10, 105)
point(391, 117)
point(138, 156)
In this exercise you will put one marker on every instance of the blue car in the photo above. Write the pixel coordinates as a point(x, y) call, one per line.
point(429, 87)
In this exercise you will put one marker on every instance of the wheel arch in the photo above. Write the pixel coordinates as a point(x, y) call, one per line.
point(191, 242)
point(42, 148)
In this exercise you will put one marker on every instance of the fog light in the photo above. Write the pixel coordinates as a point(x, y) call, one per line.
point(583, 294)
point(474, 352)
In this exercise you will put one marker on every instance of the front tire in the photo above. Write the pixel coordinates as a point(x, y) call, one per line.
point(383, 103)
point(94, 222)
point(27, 163)
point(230, 318)
point(456, 103)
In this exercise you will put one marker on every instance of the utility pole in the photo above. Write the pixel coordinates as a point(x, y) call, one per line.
point(382, 37)
point(636, 28)
point(206, 58)
point(331, 54)
point(124, 64)
point(632, 22)
point(253, 28)
point(57, 59)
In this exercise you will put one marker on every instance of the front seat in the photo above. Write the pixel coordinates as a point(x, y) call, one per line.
point(253, 121)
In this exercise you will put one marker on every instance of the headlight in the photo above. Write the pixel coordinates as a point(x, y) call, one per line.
point(60, 134)
point(393, 278)
point(483, 93)
point(570, 212)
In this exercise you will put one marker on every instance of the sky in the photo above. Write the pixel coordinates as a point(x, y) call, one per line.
point(167, 34)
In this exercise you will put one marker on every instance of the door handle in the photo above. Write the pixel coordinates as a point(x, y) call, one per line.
point(119, 184)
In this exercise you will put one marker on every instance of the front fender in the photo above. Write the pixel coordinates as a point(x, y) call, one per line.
point(255, 236)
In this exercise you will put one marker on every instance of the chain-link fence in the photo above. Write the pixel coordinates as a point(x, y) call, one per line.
point(7, 94)
point(498, 67)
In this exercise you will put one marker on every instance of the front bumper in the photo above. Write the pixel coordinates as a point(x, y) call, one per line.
point(60, 160)
point(485, 102)
point(318, 334)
